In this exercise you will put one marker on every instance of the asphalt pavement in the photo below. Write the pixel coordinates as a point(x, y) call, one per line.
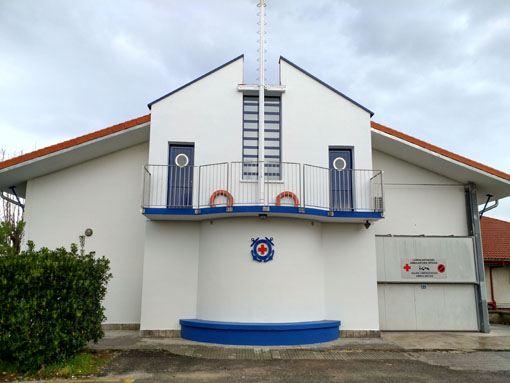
point(163, 366)
point(395, 357)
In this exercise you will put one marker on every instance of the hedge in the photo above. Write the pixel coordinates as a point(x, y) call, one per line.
point(50, 304)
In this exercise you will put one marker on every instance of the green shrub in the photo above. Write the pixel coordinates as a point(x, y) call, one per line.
point(11, 234)
point(50, 304)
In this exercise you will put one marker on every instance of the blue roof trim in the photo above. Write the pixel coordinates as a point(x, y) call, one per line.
point(149, 105)
point(326, 85)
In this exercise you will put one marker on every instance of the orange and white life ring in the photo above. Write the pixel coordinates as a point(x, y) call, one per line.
point(287, 194)
point(230, 199)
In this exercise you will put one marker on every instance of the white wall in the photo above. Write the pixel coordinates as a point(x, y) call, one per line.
point(103, 194)
point(418, 201)
point(208, 113)
point(501, 285)
point(350, 276)
point(234, 287)
point(314, 118)
point(169, 274)
point(208, 272)
point(205, 270)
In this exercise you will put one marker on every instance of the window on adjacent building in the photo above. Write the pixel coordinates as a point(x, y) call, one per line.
point(272, 137)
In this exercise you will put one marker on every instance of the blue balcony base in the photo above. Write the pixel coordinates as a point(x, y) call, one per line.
point(284, 211)
point(260, 334)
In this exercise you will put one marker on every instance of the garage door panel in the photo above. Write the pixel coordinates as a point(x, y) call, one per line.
point(426, 283)
point(382, 305)
point(432, 307)
point(460, 308)
point(400, 307)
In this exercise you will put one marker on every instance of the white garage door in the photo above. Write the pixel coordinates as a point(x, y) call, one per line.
point(427, 283)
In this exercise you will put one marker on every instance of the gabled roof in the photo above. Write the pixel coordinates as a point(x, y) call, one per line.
point(16, 171)
point(149, 105)
point(74, 142)
point(439, 150)
point(326, 85)
point(495, 239)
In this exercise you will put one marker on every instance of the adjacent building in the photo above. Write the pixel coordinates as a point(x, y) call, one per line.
point(496, 255)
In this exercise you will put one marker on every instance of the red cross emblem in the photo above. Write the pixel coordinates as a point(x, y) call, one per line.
point(407, 267)
point(262, 249)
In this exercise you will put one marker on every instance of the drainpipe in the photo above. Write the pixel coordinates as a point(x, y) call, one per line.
point(261, 167)
point(473, 221)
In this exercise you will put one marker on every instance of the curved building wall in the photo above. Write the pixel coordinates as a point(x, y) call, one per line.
point(234, 287)
point(205, 270)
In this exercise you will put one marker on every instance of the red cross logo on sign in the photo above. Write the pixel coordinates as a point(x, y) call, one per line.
point(262, 249)
point(407, 267)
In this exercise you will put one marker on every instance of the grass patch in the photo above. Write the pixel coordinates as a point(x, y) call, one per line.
point(83, 364)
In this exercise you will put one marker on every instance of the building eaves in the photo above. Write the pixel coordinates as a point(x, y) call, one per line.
point(74, 142)
point(326, 85)
point(438, 150)
point(149, 105)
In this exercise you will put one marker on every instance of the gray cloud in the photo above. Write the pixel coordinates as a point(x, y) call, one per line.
point(437, 69)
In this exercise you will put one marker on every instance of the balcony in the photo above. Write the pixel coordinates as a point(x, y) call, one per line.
point(288, 190)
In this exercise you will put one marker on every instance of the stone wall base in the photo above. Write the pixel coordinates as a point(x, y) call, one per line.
point(177, 333)
point(120, 326)
point(360, 334)
point(499, 317)
point(160, 333)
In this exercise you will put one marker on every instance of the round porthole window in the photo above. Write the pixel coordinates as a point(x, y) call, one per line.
point(181, 160)
point(339, 163)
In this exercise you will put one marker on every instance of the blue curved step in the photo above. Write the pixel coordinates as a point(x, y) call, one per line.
point(260, 334)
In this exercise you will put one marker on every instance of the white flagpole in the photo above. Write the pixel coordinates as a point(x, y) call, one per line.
point(262, 199)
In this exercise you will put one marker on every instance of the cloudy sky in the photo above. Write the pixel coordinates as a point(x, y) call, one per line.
point(438, 70)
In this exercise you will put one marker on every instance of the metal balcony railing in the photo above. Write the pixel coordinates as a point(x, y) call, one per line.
point(286, 184)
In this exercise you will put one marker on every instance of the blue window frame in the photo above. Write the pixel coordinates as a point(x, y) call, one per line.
point(272, 137)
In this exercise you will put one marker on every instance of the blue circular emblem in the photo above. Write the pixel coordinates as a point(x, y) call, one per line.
point(262, 249)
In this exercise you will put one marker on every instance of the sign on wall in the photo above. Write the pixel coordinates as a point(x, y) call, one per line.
point(425, 259)
point(423, 268)
point(262, 249)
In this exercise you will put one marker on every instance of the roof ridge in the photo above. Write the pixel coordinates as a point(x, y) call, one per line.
point(75, 141)
point(149, 105)
point(326, 85)
point(441, 151)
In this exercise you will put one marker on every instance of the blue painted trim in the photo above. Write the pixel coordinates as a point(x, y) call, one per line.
point(149, 105)
point(262, 209)
point(260, 334)
point(327, 85)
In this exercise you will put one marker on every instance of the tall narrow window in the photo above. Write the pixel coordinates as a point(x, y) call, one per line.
point(272, 137)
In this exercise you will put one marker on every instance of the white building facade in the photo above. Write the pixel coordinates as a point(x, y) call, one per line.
point(350, 217)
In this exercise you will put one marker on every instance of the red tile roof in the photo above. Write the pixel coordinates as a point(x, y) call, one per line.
point(75, 141)
point(147, 118)
point(495, 239)
point(438, 150)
